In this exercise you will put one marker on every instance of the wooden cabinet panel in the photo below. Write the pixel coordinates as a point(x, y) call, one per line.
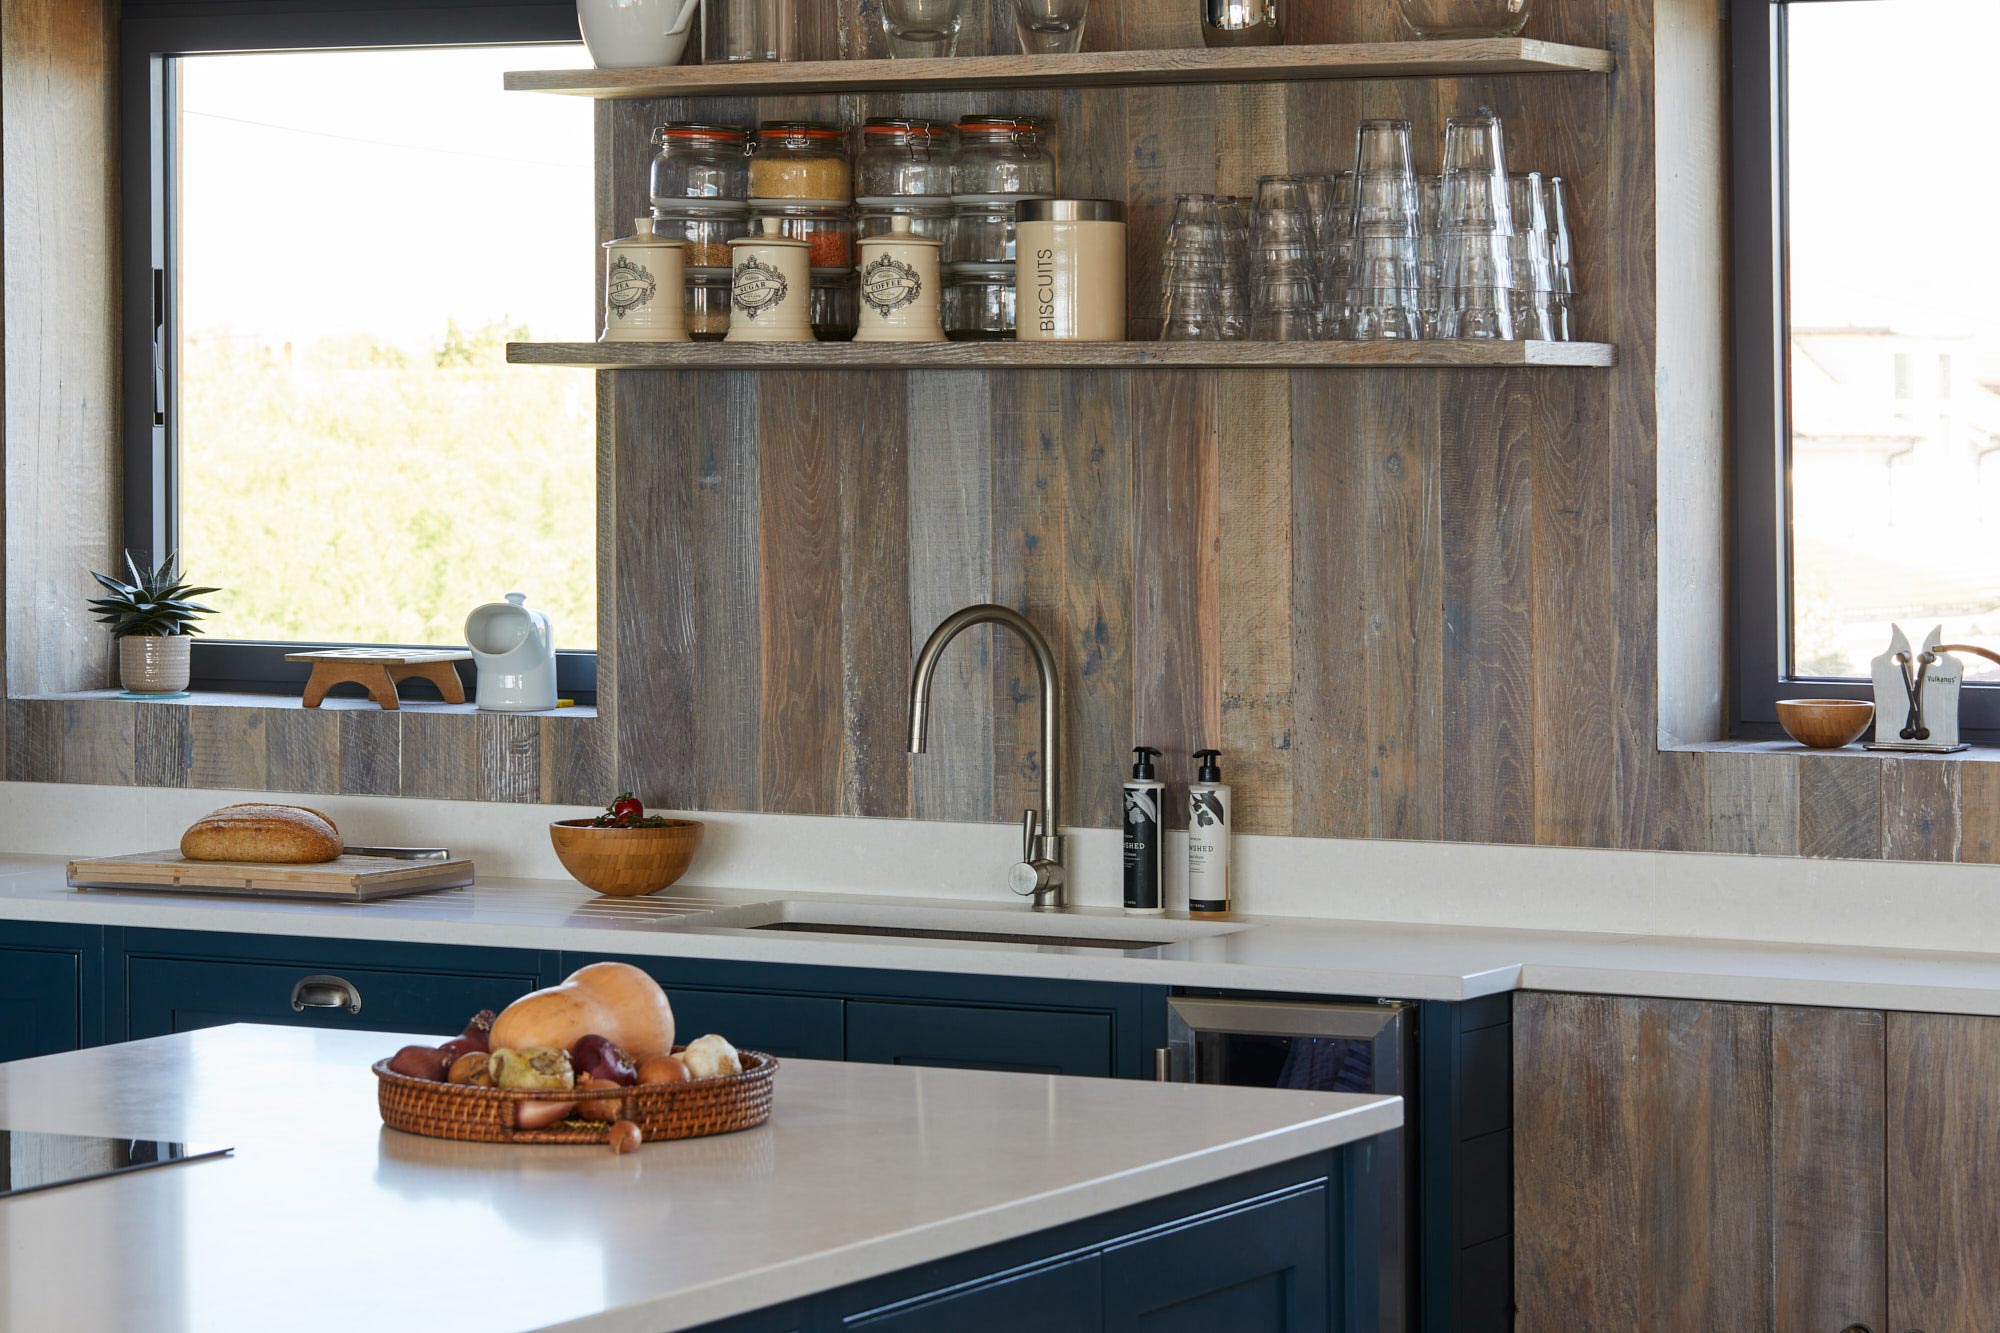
point(1642, 1164)
point(1827, 1183)
point(1260, 1269)
point(1943, 1173)
point(801, 1027)
point(1068, 1292)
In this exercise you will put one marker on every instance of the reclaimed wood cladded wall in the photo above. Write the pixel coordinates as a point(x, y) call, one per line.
point(1406, 603)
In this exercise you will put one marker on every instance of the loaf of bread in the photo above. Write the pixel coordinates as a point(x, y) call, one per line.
point(279, 834)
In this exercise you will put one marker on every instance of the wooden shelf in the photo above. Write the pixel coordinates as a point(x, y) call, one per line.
point(1057, 356)
point(1469, 58)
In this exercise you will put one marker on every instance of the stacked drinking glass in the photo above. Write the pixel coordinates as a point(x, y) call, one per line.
point(1382, 282)
point(1285, 304)
point(1194, 270)
point(1562, 258)
point(1334, 228)
point(1534, 274)
point(1475, 251)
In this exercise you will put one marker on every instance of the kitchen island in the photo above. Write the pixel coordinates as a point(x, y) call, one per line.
point(918, 1198)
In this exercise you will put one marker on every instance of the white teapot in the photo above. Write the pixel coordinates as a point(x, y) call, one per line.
point(515, 651)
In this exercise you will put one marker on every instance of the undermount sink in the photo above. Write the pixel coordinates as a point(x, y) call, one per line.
point(950, 922)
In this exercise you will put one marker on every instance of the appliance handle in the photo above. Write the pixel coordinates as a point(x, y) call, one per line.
point(1286, 1018)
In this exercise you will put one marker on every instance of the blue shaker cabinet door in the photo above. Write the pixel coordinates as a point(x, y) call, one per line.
point(183, 994)
point(41, 996)
point(800, 1027)
point(1262, 1268)
point(1030, 1041)
point(1067, 1294)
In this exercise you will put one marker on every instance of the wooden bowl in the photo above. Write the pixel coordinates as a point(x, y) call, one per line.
point(625, 862)
point(1825, 724)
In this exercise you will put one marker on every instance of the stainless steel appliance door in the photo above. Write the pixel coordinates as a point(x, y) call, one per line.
point(1317, 1047)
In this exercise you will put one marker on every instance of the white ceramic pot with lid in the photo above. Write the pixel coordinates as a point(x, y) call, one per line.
point(770, 287)
point(636, 34)
point(514, 649)
point(643, 278)
point(900, 290)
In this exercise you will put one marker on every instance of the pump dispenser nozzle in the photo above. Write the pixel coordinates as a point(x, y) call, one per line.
point(1144, 767)
point(1211, 766)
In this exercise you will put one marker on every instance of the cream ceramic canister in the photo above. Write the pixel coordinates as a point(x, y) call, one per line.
point(900, 300)
point(643, 281)
point(770, 287)
point(1069, 270)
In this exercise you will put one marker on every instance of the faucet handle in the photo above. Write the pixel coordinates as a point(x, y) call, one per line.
point(1028, 826)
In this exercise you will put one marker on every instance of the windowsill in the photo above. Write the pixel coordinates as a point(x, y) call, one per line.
point(1977, 754)
point(342, 703)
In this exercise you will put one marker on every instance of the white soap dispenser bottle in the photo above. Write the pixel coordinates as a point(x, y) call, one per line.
point(1208, 838)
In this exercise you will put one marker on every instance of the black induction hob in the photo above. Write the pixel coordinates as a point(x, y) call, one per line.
point(35, 1161)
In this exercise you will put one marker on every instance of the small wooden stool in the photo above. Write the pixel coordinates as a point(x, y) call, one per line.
point(377, 670)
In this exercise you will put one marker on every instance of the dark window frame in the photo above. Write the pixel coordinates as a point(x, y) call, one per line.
point(1761, 426)
point(151, 33)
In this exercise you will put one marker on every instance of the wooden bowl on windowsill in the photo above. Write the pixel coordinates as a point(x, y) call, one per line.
point(626, 862)
point(1825, 724)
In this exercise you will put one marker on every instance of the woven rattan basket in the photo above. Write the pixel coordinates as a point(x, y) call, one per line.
point(661, 1110)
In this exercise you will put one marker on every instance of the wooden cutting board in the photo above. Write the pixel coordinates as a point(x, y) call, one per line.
point(346, 878)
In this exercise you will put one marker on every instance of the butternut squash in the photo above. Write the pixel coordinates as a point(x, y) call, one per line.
point(614, 1000)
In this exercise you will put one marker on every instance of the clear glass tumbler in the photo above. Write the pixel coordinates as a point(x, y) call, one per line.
point(1465, 18)
point(922, 27)
point(1050, 27)
point(733, 31)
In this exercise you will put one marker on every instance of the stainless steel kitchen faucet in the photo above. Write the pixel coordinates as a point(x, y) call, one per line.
point(1039, 875)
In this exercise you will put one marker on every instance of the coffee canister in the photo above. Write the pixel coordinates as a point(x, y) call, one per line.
point(770, 287)
point(900, 291)
point(1069, 270)
point(642, 288)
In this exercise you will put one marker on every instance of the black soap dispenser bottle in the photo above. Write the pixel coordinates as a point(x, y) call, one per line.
point(1145, 799)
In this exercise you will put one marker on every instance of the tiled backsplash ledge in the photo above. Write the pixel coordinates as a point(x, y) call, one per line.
point(1902, 905)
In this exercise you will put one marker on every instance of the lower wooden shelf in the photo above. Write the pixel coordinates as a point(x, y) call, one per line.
point(1058, 356)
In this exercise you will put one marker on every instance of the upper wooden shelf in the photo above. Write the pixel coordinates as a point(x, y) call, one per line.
point(1472, 57)
point(1057, 356)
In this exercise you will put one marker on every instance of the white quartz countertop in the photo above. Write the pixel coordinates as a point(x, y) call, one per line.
point(325, 1220)
point(1301, 956)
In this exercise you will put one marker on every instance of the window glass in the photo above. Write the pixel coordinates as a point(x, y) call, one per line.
point(1895, 348)
point(357, 235)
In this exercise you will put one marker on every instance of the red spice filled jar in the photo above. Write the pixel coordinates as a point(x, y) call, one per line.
point(825, 225)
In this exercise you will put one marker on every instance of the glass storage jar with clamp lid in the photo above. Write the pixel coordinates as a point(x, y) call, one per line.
point(800, 159)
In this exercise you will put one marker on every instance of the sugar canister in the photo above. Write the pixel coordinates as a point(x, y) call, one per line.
point(1070, 270)
point(642, 288)
point(900, 291)
point(770, 288)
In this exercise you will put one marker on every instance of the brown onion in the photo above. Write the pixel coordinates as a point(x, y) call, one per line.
point(625, 1137)
point(603, 1108)
point(540, 1115)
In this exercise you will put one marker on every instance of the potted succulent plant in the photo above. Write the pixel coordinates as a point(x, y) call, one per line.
point(151, 617)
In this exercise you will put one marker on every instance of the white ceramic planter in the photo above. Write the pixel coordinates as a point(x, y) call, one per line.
point(151, 664)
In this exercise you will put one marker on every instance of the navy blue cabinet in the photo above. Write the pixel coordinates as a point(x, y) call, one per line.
point(178, 981)
point(1256, 1267)
point(51, 988)
point(1024, 1041)
point(1095, 1029)
point(1071, 1287)
point(41, 1003)
point(1256, 1254)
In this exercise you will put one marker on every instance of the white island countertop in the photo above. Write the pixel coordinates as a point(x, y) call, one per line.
point(1426, 961)
point(325, 1220)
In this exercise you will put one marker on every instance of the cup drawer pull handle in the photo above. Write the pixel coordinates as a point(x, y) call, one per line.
point(324, 992)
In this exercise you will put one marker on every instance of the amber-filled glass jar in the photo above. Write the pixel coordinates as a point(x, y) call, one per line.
point(827, 226)
point(800, 159)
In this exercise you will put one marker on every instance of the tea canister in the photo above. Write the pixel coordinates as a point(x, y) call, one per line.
point(770, 288)
point(1070, 270)
point(900, 291)
point(642, 288)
